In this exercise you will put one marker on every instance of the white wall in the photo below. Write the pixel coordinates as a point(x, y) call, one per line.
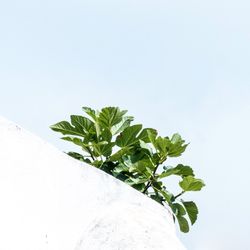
point(49, 201)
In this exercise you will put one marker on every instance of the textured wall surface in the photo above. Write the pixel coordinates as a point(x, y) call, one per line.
point(49, 201)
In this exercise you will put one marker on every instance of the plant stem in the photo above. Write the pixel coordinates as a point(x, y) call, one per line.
point(91, 155)
point(150, 180)
point(178, 195)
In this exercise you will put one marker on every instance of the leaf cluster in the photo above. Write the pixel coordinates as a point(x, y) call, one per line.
point(134, 155)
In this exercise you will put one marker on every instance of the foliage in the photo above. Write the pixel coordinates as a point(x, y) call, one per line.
point(134, 155)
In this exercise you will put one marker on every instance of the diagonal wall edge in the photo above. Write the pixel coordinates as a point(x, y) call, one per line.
point(50, 201)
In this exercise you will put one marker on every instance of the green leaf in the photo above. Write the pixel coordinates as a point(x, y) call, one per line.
point(157, 197)
point(77, 141)
point(90, 112)
point(147, 134)
point(167, 195)
point(125, 122)
point(120, 168)
point(134, 181)
point(97, 164)
point(144, 167)
point(192, 210)
point(102, 148)
point(146, 147)
point(176, 146)
point(190, 183)
point(137, 154)
point(106, 149)
point(180, 212)
point(157, 185)
point(111, 116)
point(76, 155)
point(176, 138)
point(184, 170)
point(66, 128)
point(128, 136)
point(178, 209)
point(161, 145)
point(79, 157)
point(140, 187)
point(120, 176)
point(152, 134)
point(183, 224)
point(118, 155)
point(106, 135)
point(107, 166)
point(178, 170)
point(82, 123)
point(135, 163)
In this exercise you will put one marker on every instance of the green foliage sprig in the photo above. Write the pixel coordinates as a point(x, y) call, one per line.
point(134, 155)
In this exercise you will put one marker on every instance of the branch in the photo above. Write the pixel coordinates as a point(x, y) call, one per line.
point(91, 155)
point(150, 180)
point(178, 195)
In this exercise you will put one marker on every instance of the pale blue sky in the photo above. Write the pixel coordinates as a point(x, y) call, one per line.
point(178, 66)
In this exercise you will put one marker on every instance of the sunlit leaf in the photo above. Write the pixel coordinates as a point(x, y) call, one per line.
point(147, 134)
point(118, 155)
point(125, 122)
point(66, 128)
point(190, 183)
point(178, 170)
point(128, 136)
point(90, 112)
point(82, 123)
point(111, 116)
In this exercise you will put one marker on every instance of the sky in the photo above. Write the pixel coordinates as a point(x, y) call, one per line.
point(177, 66)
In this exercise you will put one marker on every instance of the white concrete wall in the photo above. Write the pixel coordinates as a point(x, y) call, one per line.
point(49, 201)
